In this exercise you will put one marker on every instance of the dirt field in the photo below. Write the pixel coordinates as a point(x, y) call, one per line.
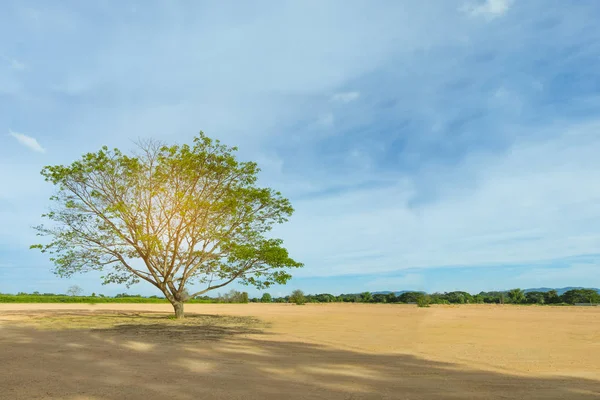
point(280, 351)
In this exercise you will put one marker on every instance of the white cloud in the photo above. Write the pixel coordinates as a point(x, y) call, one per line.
point(14, 63)
point(326, 120)
point(488, 8)
point(17, 65)
point(538, 201)
point(576, 274)
point(28, 141)
point(345, 97)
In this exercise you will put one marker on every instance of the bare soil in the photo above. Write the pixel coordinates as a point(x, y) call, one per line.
point(281, 351)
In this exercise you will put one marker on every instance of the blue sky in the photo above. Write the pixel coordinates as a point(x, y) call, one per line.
point(431, 145)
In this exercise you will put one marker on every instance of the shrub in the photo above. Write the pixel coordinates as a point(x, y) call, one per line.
point(297, 297)
point(266, 298)
point(423, 301)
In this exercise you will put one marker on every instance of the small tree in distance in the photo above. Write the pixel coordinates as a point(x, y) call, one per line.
point(517, 296)
point(423, 301)
point(297, 297)
point(74, 291)
point(172, 216)
point(266, 298)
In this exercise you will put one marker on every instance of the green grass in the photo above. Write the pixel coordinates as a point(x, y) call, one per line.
point(9, 298)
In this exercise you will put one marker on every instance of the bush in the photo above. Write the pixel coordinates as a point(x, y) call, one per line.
point(266, 298)
point(423, 301)
point(234, 297)
point(297, 297)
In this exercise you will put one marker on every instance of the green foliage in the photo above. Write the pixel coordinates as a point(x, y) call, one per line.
point(551, 297)
point(168, 215)
point(423, 301)
point(410, 297)
point(582, 296)
point(458, 297)
point(379, 298)
point(233, 296)
point(478, 299)
point(391, 298)
point(349, 298)
point(438, 298)
point(366, 297)
point(297, 297)
point(266, 298)
point(516, 296)
point(323, 298)
point(535, 297)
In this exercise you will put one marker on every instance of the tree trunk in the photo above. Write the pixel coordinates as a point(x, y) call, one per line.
point(178, 307)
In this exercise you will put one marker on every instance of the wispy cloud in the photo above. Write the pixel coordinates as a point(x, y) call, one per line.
point(17, 65)
point(345, 97)
point(488, 210)
point(326, 120)
point(488, 8)
point(28, 142)
point(14, 63)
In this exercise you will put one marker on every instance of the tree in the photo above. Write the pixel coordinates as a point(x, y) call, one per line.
point(574, 296)
point(74, 291)
point(458, 297)
point(535, 297)
point(266, 298)
point(172, 216)
point(297, 297)
point(366, 297)
point(409, 297)
point(234, 296)
point(325, 298)
point(551, 297)
point(478, 299)
point(379, 298)
point(516, 296)
point(423, 301)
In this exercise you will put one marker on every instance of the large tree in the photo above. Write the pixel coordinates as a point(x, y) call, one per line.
point(174, 216)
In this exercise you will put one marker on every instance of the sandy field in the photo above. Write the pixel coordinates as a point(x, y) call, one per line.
point(281, 351)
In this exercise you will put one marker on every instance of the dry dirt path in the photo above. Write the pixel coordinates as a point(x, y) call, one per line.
point(335, 351)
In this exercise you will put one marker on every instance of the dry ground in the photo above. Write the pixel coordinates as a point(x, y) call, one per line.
point(280, 351)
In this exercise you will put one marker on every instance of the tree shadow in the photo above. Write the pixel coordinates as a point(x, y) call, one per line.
point(223, 360)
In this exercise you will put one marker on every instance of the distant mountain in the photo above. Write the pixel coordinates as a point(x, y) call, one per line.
point(560, 291)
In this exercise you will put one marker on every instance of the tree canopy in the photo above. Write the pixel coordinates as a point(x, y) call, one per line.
point(173, 216)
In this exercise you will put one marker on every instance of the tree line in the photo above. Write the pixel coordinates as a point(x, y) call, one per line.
point(514, 296)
